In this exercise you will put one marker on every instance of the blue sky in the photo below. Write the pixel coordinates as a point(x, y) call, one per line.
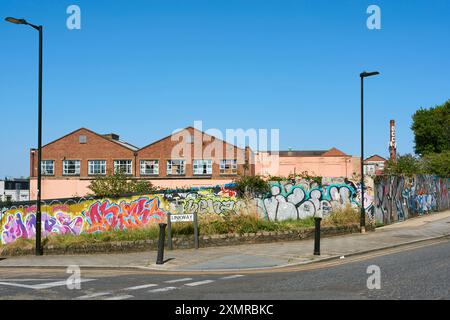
point(144, 68)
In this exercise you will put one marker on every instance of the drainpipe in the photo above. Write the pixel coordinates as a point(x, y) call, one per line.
point(135, 164)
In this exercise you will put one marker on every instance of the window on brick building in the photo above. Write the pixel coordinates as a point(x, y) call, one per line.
point(149, 167)
point(228, 167)
point(202, 166)
point(96, 167)
point(48, 167)
point(125, 166)
point(176, 167)
point(71, 167)
point(83, 139)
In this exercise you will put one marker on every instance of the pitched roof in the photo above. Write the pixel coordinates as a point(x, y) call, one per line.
point(333, 152)
point(187, 129)
point(375, 157)
point(119, 142)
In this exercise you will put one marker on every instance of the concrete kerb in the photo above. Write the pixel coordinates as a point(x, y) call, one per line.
point(232, 270)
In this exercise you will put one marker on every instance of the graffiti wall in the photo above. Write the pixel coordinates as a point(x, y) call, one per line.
point(390, 199)
point(99, 215)
point(306, 198)
point(399, 198)
point(85, 216)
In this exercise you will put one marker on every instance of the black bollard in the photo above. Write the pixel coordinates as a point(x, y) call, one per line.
point(162, 237)
point(317, 221)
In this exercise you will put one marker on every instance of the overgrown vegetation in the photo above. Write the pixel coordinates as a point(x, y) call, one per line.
point(117, 184)
point(408, 165)
point(251, 185)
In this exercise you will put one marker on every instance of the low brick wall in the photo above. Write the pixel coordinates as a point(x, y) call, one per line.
point(186, 242)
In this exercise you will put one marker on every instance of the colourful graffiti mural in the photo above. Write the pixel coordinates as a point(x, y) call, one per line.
point(399, 198)
point(87, 216)
point(304, 198)
point(389, 200)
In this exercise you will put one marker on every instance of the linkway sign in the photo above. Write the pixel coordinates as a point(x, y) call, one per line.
point(181, 217)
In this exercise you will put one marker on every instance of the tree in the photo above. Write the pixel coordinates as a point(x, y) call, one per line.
point(437, 164)
point(431, 129)
point(407, 165)
point(118, 184)
point(251, 185)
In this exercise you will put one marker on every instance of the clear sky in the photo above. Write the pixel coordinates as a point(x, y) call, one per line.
point(144, 68)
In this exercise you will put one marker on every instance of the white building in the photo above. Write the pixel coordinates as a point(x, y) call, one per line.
point(14, 190)
point(374, 165)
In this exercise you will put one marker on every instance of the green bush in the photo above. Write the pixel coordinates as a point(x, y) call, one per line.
point(118, 184)
point(251, 185)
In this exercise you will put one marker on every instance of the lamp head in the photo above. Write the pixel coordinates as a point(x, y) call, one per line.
point(368, 74)
point(16, 21)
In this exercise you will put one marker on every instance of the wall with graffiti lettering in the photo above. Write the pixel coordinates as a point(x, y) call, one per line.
point(76, 216)
point(307, 198)
point(84, 216)
point(390, 199)
point(399, 198)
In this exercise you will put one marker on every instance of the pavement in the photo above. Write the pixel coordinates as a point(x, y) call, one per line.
point(250, 257)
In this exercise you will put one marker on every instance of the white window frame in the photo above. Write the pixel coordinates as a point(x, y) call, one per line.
point(127, 164)
point(66, 164)
point(92, 166)
point(231, 163)
point(182, 165)
point(154, 163)
point(202, 167)
point(45, 169)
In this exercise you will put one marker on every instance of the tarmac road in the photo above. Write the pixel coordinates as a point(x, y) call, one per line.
point(413, 272)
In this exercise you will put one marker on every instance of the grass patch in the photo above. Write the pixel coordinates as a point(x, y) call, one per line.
point(343, 216)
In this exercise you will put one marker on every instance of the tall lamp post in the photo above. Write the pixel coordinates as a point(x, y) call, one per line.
point(38, 200)
point(363, 210)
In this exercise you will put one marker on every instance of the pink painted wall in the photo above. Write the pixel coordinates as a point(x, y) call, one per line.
point(66, 188)
point(335, 166)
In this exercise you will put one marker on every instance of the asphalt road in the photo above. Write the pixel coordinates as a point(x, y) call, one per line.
point(420, 272)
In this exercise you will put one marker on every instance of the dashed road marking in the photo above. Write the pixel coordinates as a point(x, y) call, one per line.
point(163, 289)
point(127, 296)
point(198, 283)
point(93, 295)
point(232, 277)
point(144, 286)
point(178, 280)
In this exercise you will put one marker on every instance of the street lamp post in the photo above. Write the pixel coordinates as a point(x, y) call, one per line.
point(363, 210)
point(38, 199)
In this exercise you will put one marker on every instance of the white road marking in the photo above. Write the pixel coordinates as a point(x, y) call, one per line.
point(198, 283)
point(93, 295)
point(178, 280)
point(17, 285)
point(41, 285)
point(127, 296)
point(163, 289)
point(232, 277)
point(141, 287)
point(56, 284)
point(25, 280)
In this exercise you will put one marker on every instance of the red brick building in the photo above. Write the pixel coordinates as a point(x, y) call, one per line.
point(184, 159)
